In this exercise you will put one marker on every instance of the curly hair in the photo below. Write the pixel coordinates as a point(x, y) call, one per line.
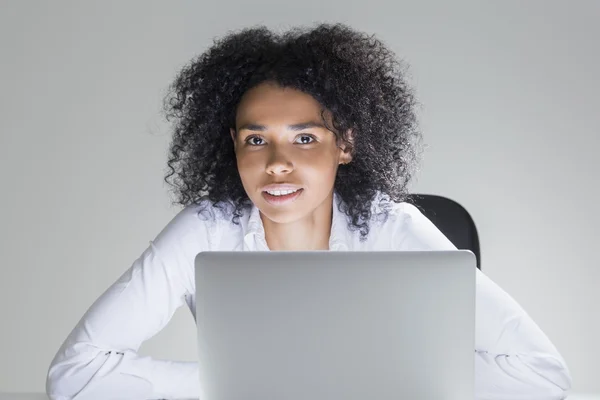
point(351, 74)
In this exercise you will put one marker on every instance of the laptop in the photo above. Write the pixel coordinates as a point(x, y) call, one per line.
point(336, 325)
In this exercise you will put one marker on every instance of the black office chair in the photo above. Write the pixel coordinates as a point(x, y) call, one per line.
point(452, 219)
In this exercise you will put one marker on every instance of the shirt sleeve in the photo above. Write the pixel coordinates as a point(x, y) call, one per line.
point(514, 359)
point(99, 359)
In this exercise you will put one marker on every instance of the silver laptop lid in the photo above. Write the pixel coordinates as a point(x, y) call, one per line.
point(336, 325)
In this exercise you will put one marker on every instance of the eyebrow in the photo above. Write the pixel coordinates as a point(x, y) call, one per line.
point(294, 127)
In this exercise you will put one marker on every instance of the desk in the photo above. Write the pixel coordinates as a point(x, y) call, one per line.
point(40, 396)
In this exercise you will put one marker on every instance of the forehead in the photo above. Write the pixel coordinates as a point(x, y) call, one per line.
point(269, 103)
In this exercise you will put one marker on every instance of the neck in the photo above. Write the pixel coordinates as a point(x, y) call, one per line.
point(309, 233)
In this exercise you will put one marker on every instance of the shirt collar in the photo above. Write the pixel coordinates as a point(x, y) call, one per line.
point(254, 239)
point(339, 240)
point(341, 236)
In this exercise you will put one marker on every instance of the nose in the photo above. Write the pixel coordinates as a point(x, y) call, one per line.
point(279, 163)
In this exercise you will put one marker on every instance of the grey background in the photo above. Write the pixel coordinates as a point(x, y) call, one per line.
point(509, 94)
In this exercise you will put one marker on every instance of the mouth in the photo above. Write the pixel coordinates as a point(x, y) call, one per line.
point(281, 197)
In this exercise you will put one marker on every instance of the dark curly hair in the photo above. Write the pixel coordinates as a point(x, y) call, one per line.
point(351, 74)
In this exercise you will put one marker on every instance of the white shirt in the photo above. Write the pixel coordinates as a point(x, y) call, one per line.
point(513, 358)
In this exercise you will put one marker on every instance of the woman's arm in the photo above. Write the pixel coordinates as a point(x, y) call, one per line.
point(514, 359)
point(99, 358)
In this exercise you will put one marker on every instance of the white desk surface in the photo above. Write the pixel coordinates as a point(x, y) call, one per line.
point(40, 396)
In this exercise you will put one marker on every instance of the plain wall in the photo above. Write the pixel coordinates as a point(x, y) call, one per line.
point(509, 94)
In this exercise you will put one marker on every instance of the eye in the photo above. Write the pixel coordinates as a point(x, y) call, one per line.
point(255, 141)
point(305, 139)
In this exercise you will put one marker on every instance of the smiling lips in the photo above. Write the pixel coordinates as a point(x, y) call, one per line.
point(281, 194)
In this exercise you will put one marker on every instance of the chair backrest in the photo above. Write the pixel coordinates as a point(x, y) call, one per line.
point(452, 219)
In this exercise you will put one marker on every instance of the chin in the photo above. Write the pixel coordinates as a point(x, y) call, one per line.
point(280, 216)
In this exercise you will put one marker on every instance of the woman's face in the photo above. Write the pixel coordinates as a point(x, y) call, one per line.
point(286, 158)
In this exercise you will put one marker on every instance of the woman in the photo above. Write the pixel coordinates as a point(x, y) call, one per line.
point(302, 141)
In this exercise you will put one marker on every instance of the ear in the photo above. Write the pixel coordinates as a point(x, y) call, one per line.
point(233, 135)
point(345, 150)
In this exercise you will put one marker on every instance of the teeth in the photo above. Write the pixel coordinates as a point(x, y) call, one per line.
point(281, 192)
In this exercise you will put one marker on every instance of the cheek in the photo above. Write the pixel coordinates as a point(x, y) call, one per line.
point(322, 166)
point(247, 163)
point(245, 169)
